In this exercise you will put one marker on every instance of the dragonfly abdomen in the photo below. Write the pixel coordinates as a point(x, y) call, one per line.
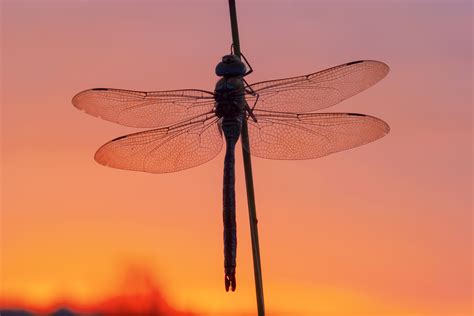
point(231, 128)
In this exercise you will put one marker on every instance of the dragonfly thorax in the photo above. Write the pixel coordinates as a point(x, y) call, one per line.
point(229, 96)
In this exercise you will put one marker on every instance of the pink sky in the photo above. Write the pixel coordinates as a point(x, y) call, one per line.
point(383, 229)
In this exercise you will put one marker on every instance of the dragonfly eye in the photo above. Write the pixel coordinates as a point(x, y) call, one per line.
point(230, 66)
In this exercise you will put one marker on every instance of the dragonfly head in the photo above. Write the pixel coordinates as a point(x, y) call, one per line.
point(230, 66)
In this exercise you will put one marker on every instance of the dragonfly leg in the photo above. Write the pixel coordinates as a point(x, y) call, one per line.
point(248, 64)
point(249, 90)
point(255, 103)
point(250, 111)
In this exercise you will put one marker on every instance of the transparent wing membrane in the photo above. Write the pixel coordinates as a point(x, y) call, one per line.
point(317, 90)
point(166, 149)
point(190, 134)
point(144, 109)
point(311, 135)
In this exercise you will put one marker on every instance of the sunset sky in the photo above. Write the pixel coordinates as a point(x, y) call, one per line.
point(383, 229)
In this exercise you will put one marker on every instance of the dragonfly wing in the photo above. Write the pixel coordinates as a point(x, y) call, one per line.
point(144, 109)
point(317, 90)
point(166, 149)
point(311, 135)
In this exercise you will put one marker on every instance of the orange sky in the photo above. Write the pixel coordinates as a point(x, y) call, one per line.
point(384, 229)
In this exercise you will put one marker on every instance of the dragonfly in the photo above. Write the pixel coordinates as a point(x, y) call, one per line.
point(190, 126)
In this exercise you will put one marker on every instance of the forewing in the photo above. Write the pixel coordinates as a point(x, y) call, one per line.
point(317, 90)
point(166, 149)
point(144, 109)
point(311, 135)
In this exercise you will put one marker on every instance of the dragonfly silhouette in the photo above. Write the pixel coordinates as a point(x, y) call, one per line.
point(190, 124)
